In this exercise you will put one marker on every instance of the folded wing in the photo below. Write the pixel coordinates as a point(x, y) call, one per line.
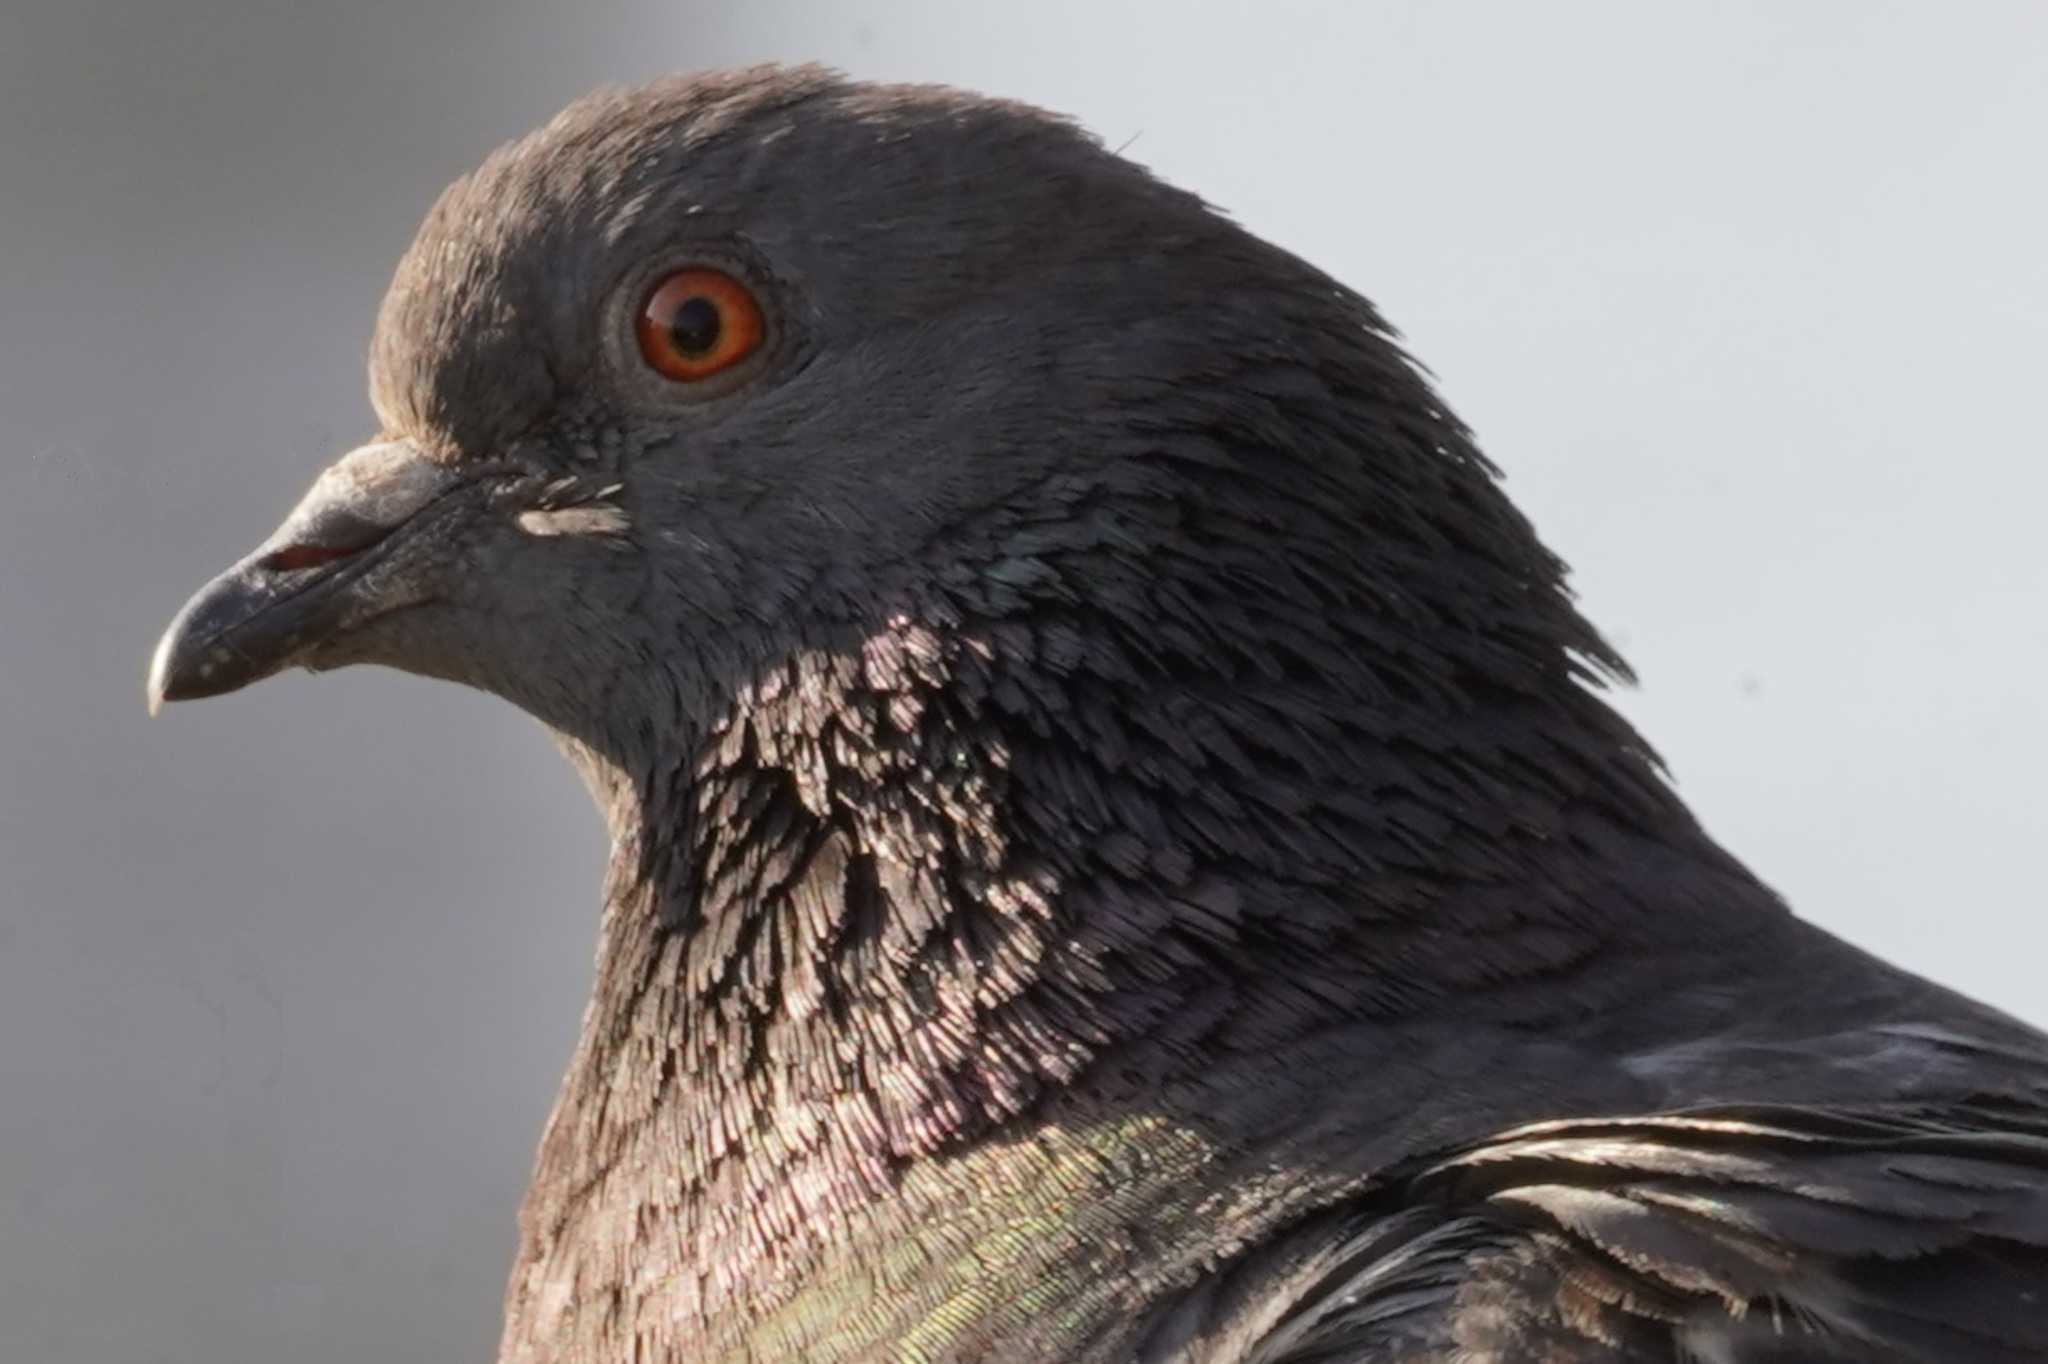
point(1758, 1235)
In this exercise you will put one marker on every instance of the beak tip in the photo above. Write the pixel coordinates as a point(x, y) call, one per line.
point(157, 688)
point(190, 662)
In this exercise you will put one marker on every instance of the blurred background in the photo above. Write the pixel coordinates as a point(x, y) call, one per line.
point(1750, 300)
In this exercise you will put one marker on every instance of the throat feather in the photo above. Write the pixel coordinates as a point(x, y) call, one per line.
point(942, 910)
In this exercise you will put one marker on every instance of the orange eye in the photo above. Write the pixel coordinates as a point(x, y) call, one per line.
point(697, 322)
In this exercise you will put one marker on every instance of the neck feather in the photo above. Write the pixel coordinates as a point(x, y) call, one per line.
point(885, 940)
point(986, 890)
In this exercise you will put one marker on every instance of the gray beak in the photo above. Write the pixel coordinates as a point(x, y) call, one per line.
point(303, 584)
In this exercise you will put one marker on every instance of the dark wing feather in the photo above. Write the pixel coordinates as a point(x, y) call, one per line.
point(1761, 1235)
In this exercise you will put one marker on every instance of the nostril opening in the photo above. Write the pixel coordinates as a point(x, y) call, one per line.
point(305, 556)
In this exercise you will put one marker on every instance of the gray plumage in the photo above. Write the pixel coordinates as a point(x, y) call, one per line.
point(1119, 851)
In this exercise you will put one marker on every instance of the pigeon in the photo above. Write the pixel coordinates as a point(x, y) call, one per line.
point(1121, 851)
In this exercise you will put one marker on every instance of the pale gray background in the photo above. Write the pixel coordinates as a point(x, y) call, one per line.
point(1749, 299)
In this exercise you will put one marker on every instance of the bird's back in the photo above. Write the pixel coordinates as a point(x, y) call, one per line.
point(1901, 1220)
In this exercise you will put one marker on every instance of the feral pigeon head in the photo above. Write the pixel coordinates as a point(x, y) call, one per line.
point(711, 371)
point(1102, 779)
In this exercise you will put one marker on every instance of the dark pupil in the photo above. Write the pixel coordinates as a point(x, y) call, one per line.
point(695, 328)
